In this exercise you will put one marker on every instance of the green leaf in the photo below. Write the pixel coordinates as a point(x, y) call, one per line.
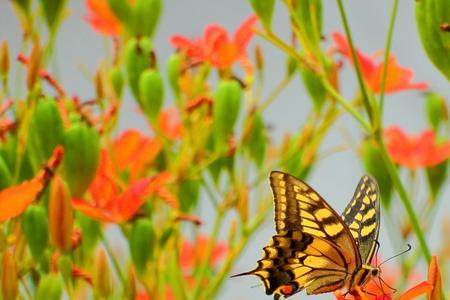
point(188, 194)
point(431, 16)
point(436, 176)
point(374, 164)
point(309, 14)
point(264, 10)
point(53, 10)
point(315, 88)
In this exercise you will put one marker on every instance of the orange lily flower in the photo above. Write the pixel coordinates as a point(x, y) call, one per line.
point(14, 200)
point(101, 18)
point(398, 78)
point(193, 253)
point(216, 47)
point(111, 199)
point(415, 151)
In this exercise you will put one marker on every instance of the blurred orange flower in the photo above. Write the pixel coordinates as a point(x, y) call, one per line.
point(112, 199)
point(216, 47)
point(193, 253)
point(169, 122)
point(101, 18)
point(398, 78)
point(415, 151)
point(14, 200)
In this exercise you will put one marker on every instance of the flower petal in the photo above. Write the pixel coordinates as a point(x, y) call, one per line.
point(14, 200)
point(420, 289)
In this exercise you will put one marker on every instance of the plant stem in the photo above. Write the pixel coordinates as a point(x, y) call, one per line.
point(207, 258)
point(355, 60)
point(330, 89)
point(404, 197)
point(216, 283)
point(275, 93)
point(113, 259)
point(387, 52)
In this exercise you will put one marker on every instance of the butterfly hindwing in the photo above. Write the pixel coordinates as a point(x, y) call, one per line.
point(362, 216)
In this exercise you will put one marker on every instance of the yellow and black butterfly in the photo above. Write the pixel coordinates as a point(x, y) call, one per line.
point(315, 249)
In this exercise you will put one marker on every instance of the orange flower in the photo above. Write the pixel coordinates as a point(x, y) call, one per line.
point(415, 151)
point(170, 123)
point(112, 200)
point(14, 200)
point(432, 287)
point(216, 47)
point(192, 254)
point(101, 18)
point(398, 78)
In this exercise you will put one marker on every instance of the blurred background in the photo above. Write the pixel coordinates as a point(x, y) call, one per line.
point(79, 50)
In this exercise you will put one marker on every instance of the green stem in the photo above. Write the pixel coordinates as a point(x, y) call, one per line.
point(216, 283)
point(355, 60)
point(404, 198)
point(207, 258)
point(330, 89)
point(275, 93)
point(387, 52)
point(113, 259)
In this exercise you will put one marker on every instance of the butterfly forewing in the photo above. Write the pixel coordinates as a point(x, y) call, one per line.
point(300, 207)
point(362, 216)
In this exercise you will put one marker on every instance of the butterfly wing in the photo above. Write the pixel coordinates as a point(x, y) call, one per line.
point(362, 216)
point(313, 248)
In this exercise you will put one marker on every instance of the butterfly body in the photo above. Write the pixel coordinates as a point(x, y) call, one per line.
point(315, 249)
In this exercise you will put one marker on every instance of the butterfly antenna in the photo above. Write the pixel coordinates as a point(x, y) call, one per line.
point(390, 287)
point(376, 253)
point(401, 253)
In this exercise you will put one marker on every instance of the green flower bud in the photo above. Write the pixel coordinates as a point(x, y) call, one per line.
point(50, 287)
point(431, 16)
point(82, 151)
point(45, 133)
point(436, 109)
point(173, 72)
point(141, 243)
point(137, 59)
point(145, 18)
point(257, 139)
point(35, 227)
point(116, 81)
point(227, 103)
point(151, 87)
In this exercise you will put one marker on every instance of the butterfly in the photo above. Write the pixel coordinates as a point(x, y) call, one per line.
point(315, 249)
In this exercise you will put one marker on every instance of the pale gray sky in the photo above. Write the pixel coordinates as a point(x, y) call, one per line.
point(336, 176)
